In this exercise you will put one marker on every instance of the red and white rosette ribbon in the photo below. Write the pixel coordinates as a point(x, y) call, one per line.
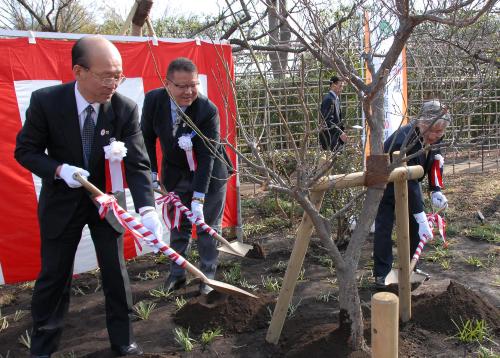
point(136, 228)
point(176, 201)
point(167, 200)
point(186, 144)
point(436, 175)
point(114, 154)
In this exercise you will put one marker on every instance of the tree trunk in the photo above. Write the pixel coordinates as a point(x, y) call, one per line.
point(273, 21)
point(350, 316)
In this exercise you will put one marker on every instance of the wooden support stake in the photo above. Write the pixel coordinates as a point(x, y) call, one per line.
point(304, 232)
point(385, 329)
point(126, 25)
point(403, 238)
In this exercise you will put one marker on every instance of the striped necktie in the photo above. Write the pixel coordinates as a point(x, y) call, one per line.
point(88, 135)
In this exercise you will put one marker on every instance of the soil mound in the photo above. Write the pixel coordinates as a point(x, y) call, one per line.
point(320, 340)
point(230, 313)
point(459, 304)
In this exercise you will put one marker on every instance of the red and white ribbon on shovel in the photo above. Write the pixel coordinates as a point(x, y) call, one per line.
point(170, 221)
point(172, 198)
point(435, 220)
point(135, 227)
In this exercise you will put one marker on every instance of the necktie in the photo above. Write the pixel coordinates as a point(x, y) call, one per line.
point(177, 122)
point(88, 135)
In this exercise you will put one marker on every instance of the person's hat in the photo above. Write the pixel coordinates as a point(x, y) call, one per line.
point(432, 110)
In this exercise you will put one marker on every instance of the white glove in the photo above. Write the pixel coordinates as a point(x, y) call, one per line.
point(154, 180)
point(66, 173)
point(424, 228)
point(439, 200)
point(197, 209)
point(152, 222)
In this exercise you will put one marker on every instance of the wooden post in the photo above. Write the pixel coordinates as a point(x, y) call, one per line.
point(128, 21)
point(385, 325)
point(304, 232)
point(403, 238)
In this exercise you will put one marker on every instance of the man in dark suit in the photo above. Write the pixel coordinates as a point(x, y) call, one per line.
point(332, 136)
point(65, 131)
point(182, 118)
point(429, 128)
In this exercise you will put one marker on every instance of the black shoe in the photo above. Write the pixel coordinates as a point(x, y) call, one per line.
point(132, 349)
point(380, 282)
point(40, 356)
point(174, 283)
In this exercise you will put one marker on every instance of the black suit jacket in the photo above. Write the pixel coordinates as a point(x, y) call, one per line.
point(411, 135)
point(212, 170)
point(52, 125)
point(331, 126)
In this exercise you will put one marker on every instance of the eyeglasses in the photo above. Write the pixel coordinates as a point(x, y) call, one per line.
point(192, 86)
point(108, 81)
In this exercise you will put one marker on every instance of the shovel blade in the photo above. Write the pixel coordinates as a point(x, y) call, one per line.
point(415, 278)
point(228, 289)
point(236, 248)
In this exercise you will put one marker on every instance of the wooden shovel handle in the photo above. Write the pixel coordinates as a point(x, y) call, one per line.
point(95, 191)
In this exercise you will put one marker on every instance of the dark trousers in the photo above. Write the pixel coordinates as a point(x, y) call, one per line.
point(52, 290)
point(382, 245)
point(213, 209)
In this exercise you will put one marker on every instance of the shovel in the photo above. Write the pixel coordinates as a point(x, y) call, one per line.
point(136, 227)
point(234, 248)
point(416, 278)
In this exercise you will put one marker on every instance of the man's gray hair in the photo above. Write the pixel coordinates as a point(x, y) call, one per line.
point(434, 112)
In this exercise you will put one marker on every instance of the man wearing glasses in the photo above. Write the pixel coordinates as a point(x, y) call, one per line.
point(194, 164)
point(65, 131)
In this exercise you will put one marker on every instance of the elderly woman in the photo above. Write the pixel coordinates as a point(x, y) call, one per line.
point(427, 129)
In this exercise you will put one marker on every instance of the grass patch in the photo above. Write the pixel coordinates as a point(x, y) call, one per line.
point(181, 336)
point(326, 297)
point(148, 275)
point(207, 337)
point(486, 232)
point(25, 339)
point(6, 299)
point(143, 309)
point(180, 302)
point(474, 262)
point(160, 292)
point(472, 331)
point(271, 284)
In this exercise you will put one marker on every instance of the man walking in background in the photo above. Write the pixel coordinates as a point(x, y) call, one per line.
point(332, 136)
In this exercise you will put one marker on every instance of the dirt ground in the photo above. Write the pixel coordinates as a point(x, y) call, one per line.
point(464, 285)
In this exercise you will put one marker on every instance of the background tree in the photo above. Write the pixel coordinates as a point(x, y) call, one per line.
point(51, 16)
point(331, 40)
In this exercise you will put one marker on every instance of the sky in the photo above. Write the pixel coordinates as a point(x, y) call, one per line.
point(174, 7)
